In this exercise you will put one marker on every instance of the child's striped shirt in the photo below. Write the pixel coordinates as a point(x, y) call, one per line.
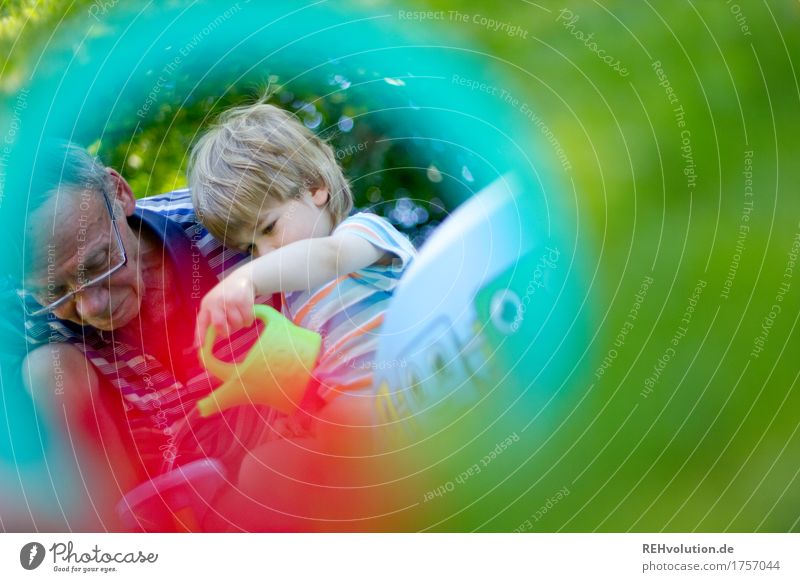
point(348, 311)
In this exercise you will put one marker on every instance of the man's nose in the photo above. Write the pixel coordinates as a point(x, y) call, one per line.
point(92, 301)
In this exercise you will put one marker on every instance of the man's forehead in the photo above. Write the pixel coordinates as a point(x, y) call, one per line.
point(70, 201)
point(64, 227)
point(67, 208)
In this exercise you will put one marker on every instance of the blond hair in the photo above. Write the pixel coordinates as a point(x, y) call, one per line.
point(254, 155)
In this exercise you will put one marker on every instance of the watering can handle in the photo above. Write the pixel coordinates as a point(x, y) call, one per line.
point(266, 314)
point(220, 369)
point(225, 370)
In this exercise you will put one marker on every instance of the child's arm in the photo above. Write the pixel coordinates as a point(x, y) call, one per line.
point(304, 264)
point(309, 263)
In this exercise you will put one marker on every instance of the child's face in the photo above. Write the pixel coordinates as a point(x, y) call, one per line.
point(287, 222)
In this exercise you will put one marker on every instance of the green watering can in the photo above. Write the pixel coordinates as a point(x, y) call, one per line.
point(275, 371)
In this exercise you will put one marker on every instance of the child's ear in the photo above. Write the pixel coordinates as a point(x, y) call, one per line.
point(320, 196)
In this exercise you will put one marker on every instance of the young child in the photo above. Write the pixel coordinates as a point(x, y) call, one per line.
point(263, 183)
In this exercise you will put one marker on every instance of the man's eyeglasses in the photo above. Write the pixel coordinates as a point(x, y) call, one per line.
point(55, 295)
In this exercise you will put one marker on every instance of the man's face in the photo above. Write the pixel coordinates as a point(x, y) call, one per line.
point(74, 240)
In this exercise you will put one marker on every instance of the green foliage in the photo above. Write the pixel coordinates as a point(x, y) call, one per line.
point(387, 178)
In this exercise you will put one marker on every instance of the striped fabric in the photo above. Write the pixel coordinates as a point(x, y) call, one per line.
point(159, 397)
point(348, 312)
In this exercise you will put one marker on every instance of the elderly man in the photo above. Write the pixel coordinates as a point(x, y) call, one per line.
point(110, 291)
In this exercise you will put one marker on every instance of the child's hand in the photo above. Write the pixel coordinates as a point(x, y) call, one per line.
point(228, 306)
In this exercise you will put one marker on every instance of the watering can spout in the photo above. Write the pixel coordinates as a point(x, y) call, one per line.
point(275, 372)
point(226, 396)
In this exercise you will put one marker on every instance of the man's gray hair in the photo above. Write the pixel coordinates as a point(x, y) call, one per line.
point(66, 169)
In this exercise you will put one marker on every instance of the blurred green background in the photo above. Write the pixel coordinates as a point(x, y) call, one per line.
point(680, 160)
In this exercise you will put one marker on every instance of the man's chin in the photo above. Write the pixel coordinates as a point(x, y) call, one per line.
point(122, 315)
